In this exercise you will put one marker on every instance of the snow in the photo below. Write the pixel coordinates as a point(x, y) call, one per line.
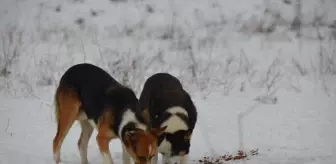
point(291, 123)
point(299, 129)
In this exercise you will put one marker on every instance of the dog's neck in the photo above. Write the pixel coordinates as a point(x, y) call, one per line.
point(176, 120)
point(129, 118)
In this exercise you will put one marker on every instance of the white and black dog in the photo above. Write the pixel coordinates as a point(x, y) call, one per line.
point(165, 103)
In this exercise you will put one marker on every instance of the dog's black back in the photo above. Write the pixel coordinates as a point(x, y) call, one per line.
point(162, 91)
point(155, 84)
point(97, 90)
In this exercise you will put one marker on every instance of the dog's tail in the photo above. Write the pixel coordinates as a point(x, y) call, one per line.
point(56, 103)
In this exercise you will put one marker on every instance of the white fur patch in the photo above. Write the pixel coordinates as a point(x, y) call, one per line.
point(129, 116)
point(57, 157)
point(177, 109)
point(165, 147)
point(126, 156)
point(175, 159)
point(184, 159)
point(155, 159)
point(165, 159)
point(82, 116)
point(175, 123)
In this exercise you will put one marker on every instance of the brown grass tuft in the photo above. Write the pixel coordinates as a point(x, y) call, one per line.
point(239, 155)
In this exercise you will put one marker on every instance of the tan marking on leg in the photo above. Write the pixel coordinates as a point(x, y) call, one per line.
point(103, 144)
point(105, 123)
point(83, 141)
point(67, 110)
point(105, 135)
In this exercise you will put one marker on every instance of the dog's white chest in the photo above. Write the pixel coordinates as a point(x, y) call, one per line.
point(165, 147)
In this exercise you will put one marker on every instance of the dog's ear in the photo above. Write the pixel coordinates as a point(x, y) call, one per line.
point(158, 131)
point(131, 137)
point(187, 135)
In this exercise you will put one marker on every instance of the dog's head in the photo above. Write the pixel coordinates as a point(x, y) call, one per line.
point(179, 141)
point(142, 144)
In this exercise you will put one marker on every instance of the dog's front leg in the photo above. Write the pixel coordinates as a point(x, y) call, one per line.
point(103, 143)
point(126, 156)
point(184, 159)
point(165, 159)
point(155, 159)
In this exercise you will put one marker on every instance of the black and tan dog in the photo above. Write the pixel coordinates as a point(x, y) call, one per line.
point(166, 103)
point(90, 95)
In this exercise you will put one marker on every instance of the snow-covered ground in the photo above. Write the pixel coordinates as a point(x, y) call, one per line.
point(255, 84)
point(299, 129)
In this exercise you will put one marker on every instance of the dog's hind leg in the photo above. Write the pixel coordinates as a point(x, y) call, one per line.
point(103, 144)
point(83, 141)
point(67, 110)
